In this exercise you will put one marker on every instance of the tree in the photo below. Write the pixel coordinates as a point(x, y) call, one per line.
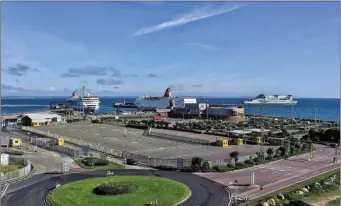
point(196, 163)
point(234, 155)
point(270, 152)
point(285, 133)
point(282, 151)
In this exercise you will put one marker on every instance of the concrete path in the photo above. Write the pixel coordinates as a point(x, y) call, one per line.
point(280, 174)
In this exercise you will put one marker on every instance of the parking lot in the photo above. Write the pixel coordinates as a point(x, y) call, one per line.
point(129, 139)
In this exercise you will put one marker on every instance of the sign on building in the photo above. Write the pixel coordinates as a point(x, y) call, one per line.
point(180, 163)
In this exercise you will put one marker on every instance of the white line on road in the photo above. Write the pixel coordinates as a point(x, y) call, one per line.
point(3, 190)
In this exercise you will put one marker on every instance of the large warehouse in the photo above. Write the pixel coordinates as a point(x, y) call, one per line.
point(40, 119)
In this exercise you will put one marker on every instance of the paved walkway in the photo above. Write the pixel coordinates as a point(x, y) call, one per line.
point(279, 174)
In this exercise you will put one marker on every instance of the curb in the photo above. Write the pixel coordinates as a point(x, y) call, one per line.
point(182, 201)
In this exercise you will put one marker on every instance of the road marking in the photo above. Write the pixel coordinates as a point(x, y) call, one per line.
point(3, 190)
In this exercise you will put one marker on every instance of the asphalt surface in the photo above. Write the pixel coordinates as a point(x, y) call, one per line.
point(279, 174)
point(33, 191)
point(112, 137)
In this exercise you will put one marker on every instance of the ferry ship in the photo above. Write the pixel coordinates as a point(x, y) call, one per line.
point(167, 101)
point(86, 102)
point(272, 100)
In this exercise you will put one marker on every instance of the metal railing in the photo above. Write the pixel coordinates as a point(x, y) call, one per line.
point(17, 173)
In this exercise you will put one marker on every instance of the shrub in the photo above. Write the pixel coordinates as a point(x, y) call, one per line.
point(102, 162)
point(249, 162)
point(14, 152)
point(115, 188)
point(240, 165)
point(92, 161)
point(219, 168)
point(257, 160)
point(230, 165)
point(206, 166)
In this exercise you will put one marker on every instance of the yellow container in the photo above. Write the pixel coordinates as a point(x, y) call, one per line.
point(60, 141)
point(15, 142)
point(259, 140)
point(238, 141)
point(36, 124)
point(222, 143)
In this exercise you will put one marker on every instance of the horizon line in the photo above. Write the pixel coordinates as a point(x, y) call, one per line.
point(196, 96)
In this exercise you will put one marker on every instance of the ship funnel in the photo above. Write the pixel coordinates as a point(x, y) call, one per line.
point(74, 94)
point(85, 93)
point(168, 92)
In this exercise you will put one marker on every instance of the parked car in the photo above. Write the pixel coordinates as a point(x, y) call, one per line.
point(298, 203)
point(131, 162)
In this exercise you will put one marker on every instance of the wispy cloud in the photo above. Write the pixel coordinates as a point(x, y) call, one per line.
point(204, 46)
point(92, 71)
point(151, 75)
point(12, 88)
point(108, 81)
point(192, 16)
point(20, 70)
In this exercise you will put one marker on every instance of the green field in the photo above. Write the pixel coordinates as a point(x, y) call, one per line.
point(80, 193)
point(110, 166)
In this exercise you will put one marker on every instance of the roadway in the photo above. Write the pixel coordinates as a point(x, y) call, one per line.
point(279, 174)
point(33, 191)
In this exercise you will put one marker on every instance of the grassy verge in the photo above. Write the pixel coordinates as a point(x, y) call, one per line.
point(80, 193)
point(109, 166)
point(335, 202)
point(10, 168)
point(315, 194)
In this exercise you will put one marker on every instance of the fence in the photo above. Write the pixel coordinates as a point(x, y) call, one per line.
point(17, 173)
point(149, 161)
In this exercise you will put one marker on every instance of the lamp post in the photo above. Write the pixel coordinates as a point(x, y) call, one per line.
point(262, 130)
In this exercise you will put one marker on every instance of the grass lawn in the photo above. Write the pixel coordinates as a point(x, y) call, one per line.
point(10, 168)
point(80, 193)
point(335, 202)
point(110, 166)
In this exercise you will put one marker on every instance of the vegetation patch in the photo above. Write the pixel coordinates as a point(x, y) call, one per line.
point(10, 167)
point(314, 190)
point(335, 202)
point(14, 152)
point(115, 188)
point(81, 193)
point(97, 163)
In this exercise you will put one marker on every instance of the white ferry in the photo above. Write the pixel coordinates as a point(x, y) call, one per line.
point(272, 100)
point(86, 102)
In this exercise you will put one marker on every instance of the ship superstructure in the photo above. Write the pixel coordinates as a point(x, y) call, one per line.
point(272, 99)
point(86, 102)
point(167, 101)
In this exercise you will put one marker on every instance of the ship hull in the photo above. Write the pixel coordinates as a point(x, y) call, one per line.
point(291, 103)
point(146, 103)
point(84, 108)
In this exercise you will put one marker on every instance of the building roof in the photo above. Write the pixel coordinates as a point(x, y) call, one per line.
point(41, 117)
point(240, 132)
point(258, 130)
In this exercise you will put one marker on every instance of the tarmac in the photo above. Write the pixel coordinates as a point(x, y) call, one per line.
point(33, 191)
point(114, 137)
point(279, 174)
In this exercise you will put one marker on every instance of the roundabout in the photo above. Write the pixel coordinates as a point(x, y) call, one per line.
point(169, 188)
point(122, 190)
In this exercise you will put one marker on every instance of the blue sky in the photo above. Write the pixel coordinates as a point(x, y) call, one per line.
point(208, 49)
